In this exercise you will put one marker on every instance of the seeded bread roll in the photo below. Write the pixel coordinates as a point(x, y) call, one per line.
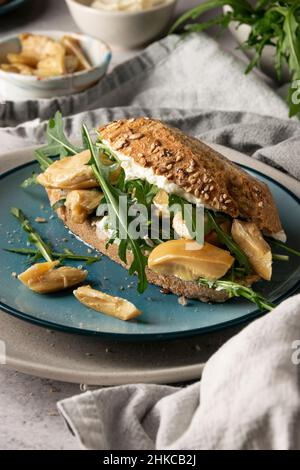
point(191, 290)
point(196, 169)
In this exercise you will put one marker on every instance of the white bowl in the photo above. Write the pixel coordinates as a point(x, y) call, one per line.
point(119, 28)
point(14, 86)
point(267, 62)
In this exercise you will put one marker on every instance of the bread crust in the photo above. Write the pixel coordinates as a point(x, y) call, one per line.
point(87, 233)
point(196, 168)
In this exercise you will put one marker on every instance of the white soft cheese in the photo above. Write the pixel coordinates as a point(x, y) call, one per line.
point(126, 5)
point(102, 228)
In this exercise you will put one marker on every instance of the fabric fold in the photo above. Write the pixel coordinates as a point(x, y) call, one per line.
point(248, 398)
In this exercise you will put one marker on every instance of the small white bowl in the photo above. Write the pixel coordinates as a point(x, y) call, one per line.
point(15, 87)
point(118, 28)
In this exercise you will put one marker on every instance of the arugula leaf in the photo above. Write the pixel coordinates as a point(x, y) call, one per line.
point(33, 236)
point(284, 246)
point(277, 257)
point(58, 204)
point(61, 256)
point(29, 181)
point(141, 190)
point(228, 241)
point(272, 23)
point(112, 195)
point(57, 143)
point(234, 289)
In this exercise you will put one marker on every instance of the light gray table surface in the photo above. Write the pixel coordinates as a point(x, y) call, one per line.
point(28, 415)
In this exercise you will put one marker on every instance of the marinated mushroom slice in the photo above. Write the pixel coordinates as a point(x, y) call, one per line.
point(107, 304)
point(161, 202)
point(45, 278)
point(9, 68)
point(188, 260)
point(73, 47)
point(80, 203)
point(71, 63)
point(69, 173)
point(51, 66)
point(31, 61)
point(250, 239)
point(24, 69)
point(38, 46)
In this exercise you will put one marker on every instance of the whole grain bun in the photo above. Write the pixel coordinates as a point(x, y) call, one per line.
point(196, 168)
point(191, 290)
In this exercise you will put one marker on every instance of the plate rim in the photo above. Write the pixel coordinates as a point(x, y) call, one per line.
point(137, 337)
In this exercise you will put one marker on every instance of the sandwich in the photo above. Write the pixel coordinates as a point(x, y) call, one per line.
point(144, 161)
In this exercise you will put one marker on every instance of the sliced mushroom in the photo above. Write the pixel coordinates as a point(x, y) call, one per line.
point(73, 47)
point(250, 239)
point(81, 203)
point(161, 202)
point(71, 63)
point(107, 304)
point(29, 60)
point(69, 173)
point(189, 261)
point(9, 68)
point(45, 278)
point(51, 66)
point(18, 68)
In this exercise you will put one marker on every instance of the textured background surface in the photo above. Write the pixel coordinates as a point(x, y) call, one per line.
point(28, 415)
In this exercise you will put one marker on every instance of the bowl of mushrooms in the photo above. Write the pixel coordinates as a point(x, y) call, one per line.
point(49, 64)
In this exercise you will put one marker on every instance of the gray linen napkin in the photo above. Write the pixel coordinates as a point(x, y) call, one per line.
point(248, 396)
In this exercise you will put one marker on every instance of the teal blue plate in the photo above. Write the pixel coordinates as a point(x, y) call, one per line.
point(163, 316)
point(10, 6)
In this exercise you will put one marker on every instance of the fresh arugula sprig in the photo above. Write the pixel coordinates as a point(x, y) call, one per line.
point(234, 289)
point(116, 211)
point(29, 181)
point(33, 236)
point(57, 143)
point(284, 246)
point(272, 23)
point(36, 254)
point(57, 146)
point(228, 241)
point(58, 204)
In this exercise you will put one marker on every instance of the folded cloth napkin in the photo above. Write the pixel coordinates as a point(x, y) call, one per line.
point(248, 396)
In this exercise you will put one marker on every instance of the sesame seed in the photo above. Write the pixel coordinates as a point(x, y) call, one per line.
point(136, 136)
point(182, 301)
